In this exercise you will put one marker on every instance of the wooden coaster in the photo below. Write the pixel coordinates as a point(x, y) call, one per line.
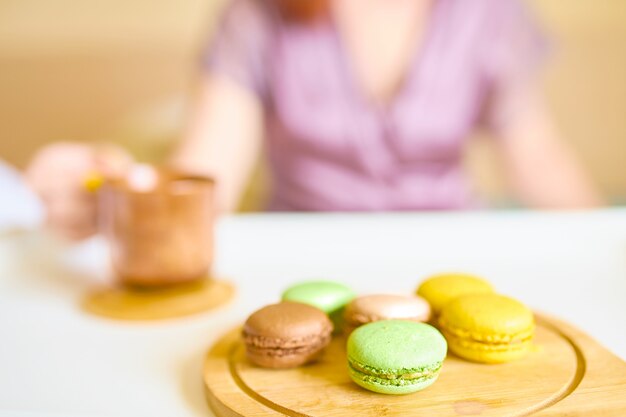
point(567, 374)
point(125, 303)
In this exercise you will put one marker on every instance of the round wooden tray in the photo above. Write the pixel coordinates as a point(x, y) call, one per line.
point(124, 303)
point(553, 379)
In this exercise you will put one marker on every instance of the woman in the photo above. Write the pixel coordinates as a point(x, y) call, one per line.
point(368, 104)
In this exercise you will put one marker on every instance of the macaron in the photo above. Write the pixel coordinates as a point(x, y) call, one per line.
point(286, 335)
point(376, 307)
point(487, 328)
point(440, 289)
point(395, 356)
point(330, 297)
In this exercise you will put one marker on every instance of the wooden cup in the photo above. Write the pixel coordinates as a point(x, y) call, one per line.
point(159, 225)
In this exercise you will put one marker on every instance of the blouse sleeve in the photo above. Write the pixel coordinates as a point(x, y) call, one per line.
point(514, 50)
point(239, 47)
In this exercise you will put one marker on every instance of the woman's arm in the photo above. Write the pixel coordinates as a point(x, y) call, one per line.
point(223, 137)
point(541, 167)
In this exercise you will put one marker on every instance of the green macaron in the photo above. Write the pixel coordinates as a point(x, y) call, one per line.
point(330, 297)
point(395, 356)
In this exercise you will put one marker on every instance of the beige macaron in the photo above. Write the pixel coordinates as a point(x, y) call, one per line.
point(376, 307)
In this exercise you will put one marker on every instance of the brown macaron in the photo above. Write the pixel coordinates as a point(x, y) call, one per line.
point(370, 308)
point(286, 335)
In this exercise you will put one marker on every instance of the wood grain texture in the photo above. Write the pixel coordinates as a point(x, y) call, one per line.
point(567, 374)
point(123, 303)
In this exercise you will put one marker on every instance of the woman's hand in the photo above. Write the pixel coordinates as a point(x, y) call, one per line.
point(61, 174)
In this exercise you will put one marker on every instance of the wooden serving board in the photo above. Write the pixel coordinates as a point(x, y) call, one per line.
point(567, 374)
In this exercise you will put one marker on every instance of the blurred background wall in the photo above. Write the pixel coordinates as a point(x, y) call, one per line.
point(121, 70)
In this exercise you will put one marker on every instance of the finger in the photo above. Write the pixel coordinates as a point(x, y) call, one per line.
point(112, 161)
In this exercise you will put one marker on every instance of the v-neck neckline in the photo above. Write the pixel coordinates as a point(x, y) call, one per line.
point(348, 71)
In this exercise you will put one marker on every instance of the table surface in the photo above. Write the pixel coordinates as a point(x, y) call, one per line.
point(57, 360)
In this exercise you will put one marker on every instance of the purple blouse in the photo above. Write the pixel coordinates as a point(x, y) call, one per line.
point(331, 149)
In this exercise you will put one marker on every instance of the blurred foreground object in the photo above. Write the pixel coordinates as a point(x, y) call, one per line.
point(159, 224)
point(20, 208)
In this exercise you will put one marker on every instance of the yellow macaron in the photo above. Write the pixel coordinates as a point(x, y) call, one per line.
point(487, 328)
point(440, 289)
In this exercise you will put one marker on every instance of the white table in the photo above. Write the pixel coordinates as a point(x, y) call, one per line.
point(56, 360)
